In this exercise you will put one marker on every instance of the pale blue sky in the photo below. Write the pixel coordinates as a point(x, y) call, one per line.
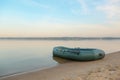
point(42, 18)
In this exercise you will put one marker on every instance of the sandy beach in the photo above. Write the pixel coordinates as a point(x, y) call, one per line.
point(104, 69)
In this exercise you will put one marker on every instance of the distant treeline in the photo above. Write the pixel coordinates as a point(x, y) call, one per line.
point(59, 38)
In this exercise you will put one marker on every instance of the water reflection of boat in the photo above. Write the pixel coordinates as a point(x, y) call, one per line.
point(80, 54)
point(61, 60)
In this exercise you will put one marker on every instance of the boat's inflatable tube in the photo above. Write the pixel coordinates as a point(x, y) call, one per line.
point(80, 54)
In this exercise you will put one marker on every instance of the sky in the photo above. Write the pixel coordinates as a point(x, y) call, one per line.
point(59, 18)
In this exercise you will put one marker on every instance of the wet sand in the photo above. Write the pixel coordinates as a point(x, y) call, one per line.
point(104, 69)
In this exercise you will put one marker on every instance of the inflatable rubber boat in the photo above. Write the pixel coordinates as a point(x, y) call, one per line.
point(80, 54)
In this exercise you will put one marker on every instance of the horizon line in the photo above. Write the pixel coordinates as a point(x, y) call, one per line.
point(59, 38)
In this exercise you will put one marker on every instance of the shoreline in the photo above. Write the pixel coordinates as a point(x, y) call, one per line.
point(75, 70)
point(22, 73)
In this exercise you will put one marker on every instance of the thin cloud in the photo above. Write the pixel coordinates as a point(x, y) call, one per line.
point(84, 6)
point(111, 8)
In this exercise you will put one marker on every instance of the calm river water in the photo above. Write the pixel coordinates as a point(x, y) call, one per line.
point(18, 56)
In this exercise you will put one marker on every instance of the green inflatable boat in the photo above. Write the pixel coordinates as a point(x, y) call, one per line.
point(79, 54)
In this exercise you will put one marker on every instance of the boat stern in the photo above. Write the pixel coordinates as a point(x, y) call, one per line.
point(99, 54)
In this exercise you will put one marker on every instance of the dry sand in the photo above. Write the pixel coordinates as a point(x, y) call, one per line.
point(104, 69)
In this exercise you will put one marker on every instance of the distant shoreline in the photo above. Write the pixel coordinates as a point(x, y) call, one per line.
point(59, 38)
